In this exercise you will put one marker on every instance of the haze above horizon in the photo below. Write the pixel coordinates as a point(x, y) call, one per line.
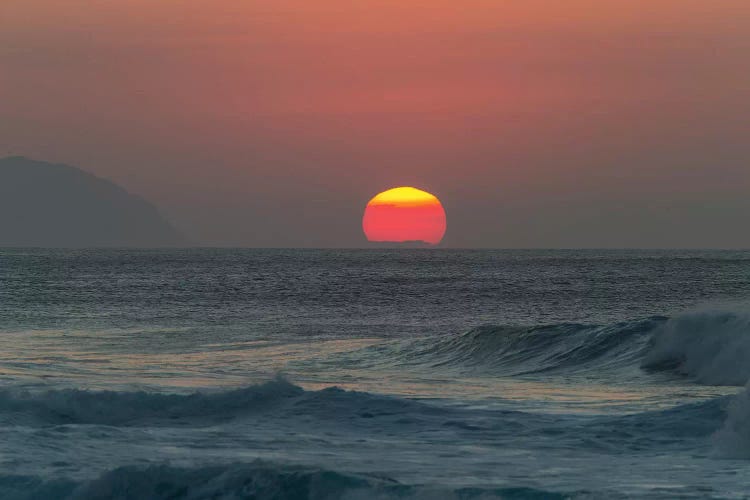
point(536, 124)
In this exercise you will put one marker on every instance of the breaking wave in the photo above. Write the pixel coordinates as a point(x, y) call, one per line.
point(562, 347)
point(278, 399)
point(708, 347)
point(711, 348)
point(287, 406)
point(253, 480)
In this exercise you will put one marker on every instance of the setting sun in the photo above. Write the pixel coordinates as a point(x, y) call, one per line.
point(404, 214)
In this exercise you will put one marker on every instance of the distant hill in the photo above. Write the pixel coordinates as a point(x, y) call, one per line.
point(52, 205)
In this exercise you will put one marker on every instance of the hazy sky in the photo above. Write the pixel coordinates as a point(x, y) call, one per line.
point(537, 123)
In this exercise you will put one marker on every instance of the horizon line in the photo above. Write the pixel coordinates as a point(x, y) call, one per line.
point(395, 247)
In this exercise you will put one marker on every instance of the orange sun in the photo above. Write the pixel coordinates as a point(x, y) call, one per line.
point(404, 214)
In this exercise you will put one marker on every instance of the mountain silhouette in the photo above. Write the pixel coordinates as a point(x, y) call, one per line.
point(52, 205)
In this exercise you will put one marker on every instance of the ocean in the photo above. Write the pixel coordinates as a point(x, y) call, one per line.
point(357, 374)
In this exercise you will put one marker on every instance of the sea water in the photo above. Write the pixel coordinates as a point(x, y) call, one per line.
point(220, 373)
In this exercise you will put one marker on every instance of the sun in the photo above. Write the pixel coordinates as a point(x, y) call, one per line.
point(404, 214)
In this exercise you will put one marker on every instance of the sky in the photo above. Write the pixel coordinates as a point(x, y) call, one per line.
point(537, 123)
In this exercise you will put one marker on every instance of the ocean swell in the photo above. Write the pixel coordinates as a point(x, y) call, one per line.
point(706, 347)
point(497, 350)
point(73, 406)
point(568, 347)
point(277, 398)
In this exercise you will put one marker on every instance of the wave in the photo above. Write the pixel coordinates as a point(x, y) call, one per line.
point(279, 397)
point(280, 406)
point(252, 480)
point(710, 347)
point(733, 439)
point(514, 350)
point(676, 424)
point(706, 347)
point(566, 347)
point(74, 406)
point(287, 405)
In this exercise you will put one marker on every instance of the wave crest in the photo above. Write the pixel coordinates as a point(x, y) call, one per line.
point(252, 480)
point(712, 348)
point(278, 397)
point(566, 346)
point(73, 406)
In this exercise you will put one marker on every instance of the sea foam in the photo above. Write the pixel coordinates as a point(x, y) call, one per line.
point(711, 347)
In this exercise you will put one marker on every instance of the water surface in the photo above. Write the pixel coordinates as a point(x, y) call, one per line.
point(386, 373)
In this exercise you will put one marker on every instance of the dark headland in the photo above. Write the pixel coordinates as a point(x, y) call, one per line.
point(53, 205)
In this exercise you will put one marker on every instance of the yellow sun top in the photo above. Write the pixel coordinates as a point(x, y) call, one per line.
point(404, 196)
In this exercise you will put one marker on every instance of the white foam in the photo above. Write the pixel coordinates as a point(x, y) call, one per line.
point(712, 347)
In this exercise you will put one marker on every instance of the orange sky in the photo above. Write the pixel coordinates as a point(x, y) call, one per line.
point(271, 123)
